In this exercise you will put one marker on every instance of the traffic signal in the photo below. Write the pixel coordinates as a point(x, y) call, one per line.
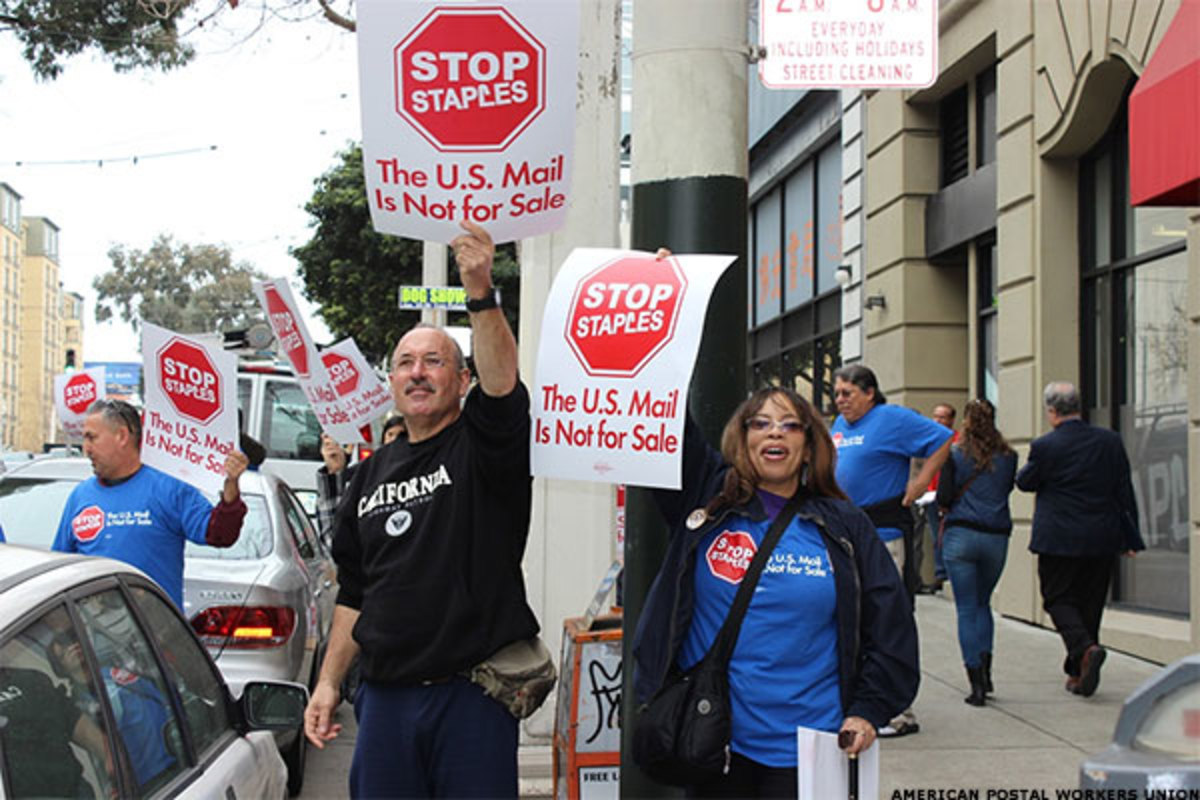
point(70, 367)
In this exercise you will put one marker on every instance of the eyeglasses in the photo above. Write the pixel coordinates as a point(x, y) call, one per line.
point(406, 363)
point(764, 424)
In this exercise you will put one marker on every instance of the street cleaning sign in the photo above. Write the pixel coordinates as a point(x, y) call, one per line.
point(619, 339)
point(73, 393)
point(296, 345)
point(190, 423)
point(850, 44)
point(468, 112)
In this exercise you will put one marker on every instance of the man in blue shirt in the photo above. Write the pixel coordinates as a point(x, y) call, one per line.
point(875, 445)
point(134, 513)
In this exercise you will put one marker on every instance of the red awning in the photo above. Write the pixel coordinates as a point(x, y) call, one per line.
point(1164, 118)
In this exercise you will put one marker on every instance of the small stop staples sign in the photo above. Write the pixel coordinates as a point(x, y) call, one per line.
point(189, 380)
point(286, 331)
point(730, 554)
point(79, 393)
point(342, 372)
point(88, 523)
point(623, 313)
point(470, 79)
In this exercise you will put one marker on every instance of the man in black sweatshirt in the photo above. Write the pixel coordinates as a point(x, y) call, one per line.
point(429, 541)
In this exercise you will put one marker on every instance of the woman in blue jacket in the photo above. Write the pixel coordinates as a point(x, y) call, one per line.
point(973, 491)
point(828, 641)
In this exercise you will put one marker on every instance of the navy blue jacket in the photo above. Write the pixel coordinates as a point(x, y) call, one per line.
point(984, 504)
point(877, 636)
point(1085, 502)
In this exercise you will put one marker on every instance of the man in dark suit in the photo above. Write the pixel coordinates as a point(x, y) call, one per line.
point(1085, 516)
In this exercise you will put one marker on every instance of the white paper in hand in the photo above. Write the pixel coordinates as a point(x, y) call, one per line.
point(822, 771)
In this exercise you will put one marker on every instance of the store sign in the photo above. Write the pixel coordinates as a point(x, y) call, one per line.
point(850, 44)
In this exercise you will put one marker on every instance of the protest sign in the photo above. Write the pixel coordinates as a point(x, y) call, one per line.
point(619, 340)
point(360, 391)
point(296, 345)
point(190, 421)
point(468, 112)
point(73, 393)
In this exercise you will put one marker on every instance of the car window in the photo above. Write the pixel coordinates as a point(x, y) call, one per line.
point(30, 508)
point(53, 737)
point(244, 388)
point(305, 521)
point(296, 524)
point(199, 686)
point(137, 690)
point(289, 428)
point(255, 540)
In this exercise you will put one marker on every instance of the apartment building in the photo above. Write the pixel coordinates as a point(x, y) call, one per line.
point(11, 260)
point(41, 351)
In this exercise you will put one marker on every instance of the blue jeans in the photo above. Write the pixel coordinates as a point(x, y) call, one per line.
point(974, 561)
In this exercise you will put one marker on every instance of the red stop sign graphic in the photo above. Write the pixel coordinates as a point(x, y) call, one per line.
point(623, 313)
point(729, 555)
point(470, 78)
point(287, 331)
point(342, 372)
point(87, 524)
point(79, 393)
point(189, 380)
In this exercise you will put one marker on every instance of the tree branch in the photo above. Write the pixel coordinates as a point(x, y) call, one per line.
point(335, 17)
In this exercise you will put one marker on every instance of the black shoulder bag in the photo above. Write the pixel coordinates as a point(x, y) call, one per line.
point(682, 735)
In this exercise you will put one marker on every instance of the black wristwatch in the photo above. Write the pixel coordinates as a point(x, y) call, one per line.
point(490, 300)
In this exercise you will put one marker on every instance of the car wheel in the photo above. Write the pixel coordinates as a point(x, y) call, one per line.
point(294, 758)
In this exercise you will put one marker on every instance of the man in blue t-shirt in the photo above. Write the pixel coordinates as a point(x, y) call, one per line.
point(875, 444)
point(134, 513)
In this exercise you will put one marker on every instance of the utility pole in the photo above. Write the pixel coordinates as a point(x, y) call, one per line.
point(690, 66)
point(433, 273)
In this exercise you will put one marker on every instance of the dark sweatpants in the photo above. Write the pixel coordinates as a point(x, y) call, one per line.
point(441, 740)
point(1074, 591)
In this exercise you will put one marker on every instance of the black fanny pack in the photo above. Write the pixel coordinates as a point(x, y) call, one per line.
point(890, 513)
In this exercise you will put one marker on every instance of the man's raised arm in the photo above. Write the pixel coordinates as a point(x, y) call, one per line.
point(493, 345)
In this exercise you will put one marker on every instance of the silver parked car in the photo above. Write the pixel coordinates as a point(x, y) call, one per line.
point(262, 607)
point(105, 692)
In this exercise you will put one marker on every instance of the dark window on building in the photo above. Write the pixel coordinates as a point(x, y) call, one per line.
point(796, 243)
point(985, 117)
point(956, 137)
point(1133, 358)
point(988, 355)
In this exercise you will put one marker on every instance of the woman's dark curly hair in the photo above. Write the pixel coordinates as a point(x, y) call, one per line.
point(816, 475)
point(980, 440)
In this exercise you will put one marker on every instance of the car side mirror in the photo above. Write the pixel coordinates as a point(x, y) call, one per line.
point(273, 705)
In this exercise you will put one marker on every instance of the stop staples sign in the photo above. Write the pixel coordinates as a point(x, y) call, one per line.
point(189, 380)
point(283, 322)
point(623, 313)
point(342, 372)
point(470, 78)
point(730, 554)
point(79, 393)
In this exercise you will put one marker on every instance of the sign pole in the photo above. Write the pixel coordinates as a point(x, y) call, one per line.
point(689, 194)
point(433, 273)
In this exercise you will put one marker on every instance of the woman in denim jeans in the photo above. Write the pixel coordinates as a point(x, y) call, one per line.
point(973, 494)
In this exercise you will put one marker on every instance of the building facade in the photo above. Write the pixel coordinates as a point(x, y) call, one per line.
point(11, 259)
point(41, 346)
point(1001, 252)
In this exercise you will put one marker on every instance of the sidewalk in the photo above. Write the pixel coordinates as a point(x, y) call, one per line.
point(1033, 735)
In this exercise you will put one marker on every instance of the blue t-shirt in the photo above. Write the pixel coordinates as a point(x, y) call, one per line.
point(143, 717)
point(142, 521)
point(873, 453)
point(784, 670)
point(1, 534)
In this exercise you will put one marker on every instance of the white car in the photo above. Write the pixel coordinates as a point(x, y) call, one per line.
point(105, 692)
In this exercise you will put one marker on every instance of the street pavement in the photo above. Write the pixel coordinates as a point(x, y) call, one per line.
point(1031, 736)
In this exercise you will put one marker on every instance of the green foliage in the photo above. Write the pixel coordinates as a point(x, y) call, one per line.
point(353, 273)
point(130, 33)
point(189, 289)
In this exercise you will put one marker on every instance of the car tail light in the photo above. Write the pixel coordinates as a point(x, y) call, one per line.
point(245, 627)
point(1173, 725)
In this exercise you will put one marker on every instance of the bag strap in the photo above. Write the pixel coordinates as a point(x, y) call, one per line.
point(722, 647)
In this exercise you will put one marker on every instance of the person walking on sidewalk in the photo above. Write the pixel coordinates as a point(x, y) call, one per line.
point(875, 445)
point(1086, 514)
point(428, 543)
point(973, 490)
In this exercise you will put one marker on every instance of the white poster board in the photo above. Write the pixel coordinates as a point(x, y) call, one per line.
point(296, 345)
point(823, 769)
point(863, 44)
point(468, 112)
point(360, 391)
point(619, 340)
point(190, 422)
point(73, 393)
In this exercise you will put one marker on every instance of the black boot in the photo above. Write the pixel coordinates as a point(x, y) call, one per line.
point(977, 697)
point(985, 661)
